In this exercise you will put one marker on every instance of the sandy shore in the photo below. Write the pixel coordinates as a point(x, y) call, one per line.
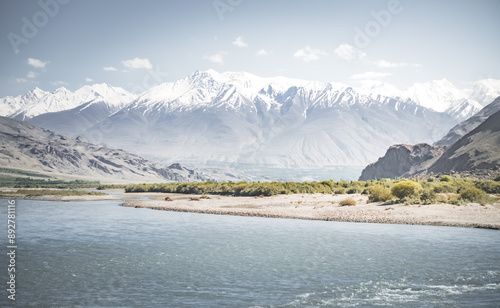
point(326, 207)
point(305, 206)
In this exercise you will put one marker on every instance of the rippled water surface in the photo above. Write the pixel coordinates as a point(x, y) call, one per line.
point(99, 254)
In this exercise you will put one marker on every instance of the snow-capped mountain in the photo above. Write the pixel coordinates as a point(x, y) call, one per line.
point(239, 118)
point(64, 111)
point(440, 95)
point(244, 119)
point(38, 102)
point(10, 105)
point(443, 96)
point(484, 91)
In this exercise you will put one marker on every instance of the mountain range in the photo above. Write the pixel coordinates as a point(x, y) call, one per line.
point(236, 118)
point(24, 146)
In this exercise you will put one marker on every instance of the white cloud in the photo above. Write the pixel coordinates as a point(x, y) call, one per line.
point(370, 75)
point(21, 80)
point(387, 64)
point(109, 68)
point(349, 53)
point(262, 52)
point(89, 80)
point(138, 63)
point(217, 58)
point(309, 54)
point(239, 42)
point(36, 63)
point(59, 83)
point(31, 74)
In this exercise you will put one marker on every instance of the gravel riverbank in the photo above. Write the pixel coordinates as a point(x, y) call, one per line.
point(326, 207)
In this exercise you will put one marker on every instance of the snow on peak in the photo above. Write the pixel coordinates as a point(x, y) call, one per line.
point(485, 91)
point(37, 101)
point(114, 97)
point(438, 95)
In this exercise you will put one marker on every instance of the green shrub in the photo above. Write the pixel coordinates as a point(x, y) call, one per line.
point(428, 196)
point(491, 187)
point(348, 201)
point(497, 179)
point(431, 179)
point(354, 190)
point(379, 193)
point(406, 189)
point(339, 191)
point(473, 194)
point(445, 187)
point(445, 178)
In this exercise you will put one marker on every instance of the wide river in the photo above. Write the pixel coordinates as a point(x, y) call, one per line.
point(99, 254)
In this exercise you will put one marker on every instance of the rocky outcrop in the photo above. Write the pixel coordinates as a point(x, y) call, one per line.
point(463, 128)
point(477, 154)
point(25, 146)
point(479, 149)
point(402, 160)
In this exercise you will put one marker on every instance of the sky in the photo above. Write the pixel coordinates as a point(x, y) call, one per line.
point(139, 44)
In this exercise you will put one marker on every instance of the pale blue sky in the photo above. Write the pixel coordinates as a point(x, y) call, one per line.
point(71, 44)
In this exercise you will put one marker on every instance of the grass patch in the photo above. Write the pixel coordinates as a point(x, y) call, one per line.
point(347, 202)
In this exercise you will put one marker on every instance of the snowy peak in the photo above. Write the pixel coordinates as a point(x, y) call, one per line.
point(438, 94)
point(203, 89)
point(485, 91)
point(37, 101)
point(9, 105)
point(443, 96)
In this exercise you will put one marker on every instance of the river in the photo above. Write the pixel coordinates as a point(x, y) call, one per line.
point(99, 254)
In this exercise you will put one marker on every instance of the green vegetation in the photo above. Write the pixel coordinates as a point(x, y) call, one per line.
point(248, 189)
point(406, 189)
point(473, 194)
point(380, 193)
point(29, 179)
point(111, 186)
point(446, 190)
point(52, 192)
point(445, 178)
point(23, 172)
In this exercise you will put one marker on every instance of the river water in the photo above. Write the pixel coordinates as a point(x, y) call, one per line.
point(99, 254)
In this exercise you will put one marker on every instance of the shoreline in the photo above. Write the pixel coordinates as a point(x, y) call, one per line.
point(326, 207)
point(303, 206)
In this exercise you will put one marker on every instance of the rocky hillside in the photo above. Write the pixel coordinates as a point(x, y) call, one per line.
point(25, 146)
point(479, 149)
point(463, 128)
point(476, 153)
point(403, 160)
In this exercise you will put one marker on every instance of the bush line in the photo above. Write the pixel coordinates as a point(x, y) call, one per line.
point(443, 190)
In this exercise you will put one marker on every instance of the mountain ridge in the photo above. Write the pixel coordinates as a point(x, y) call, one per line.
point(472, 148)
point(240, 118)
point(313, 124)
point(24, 146)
